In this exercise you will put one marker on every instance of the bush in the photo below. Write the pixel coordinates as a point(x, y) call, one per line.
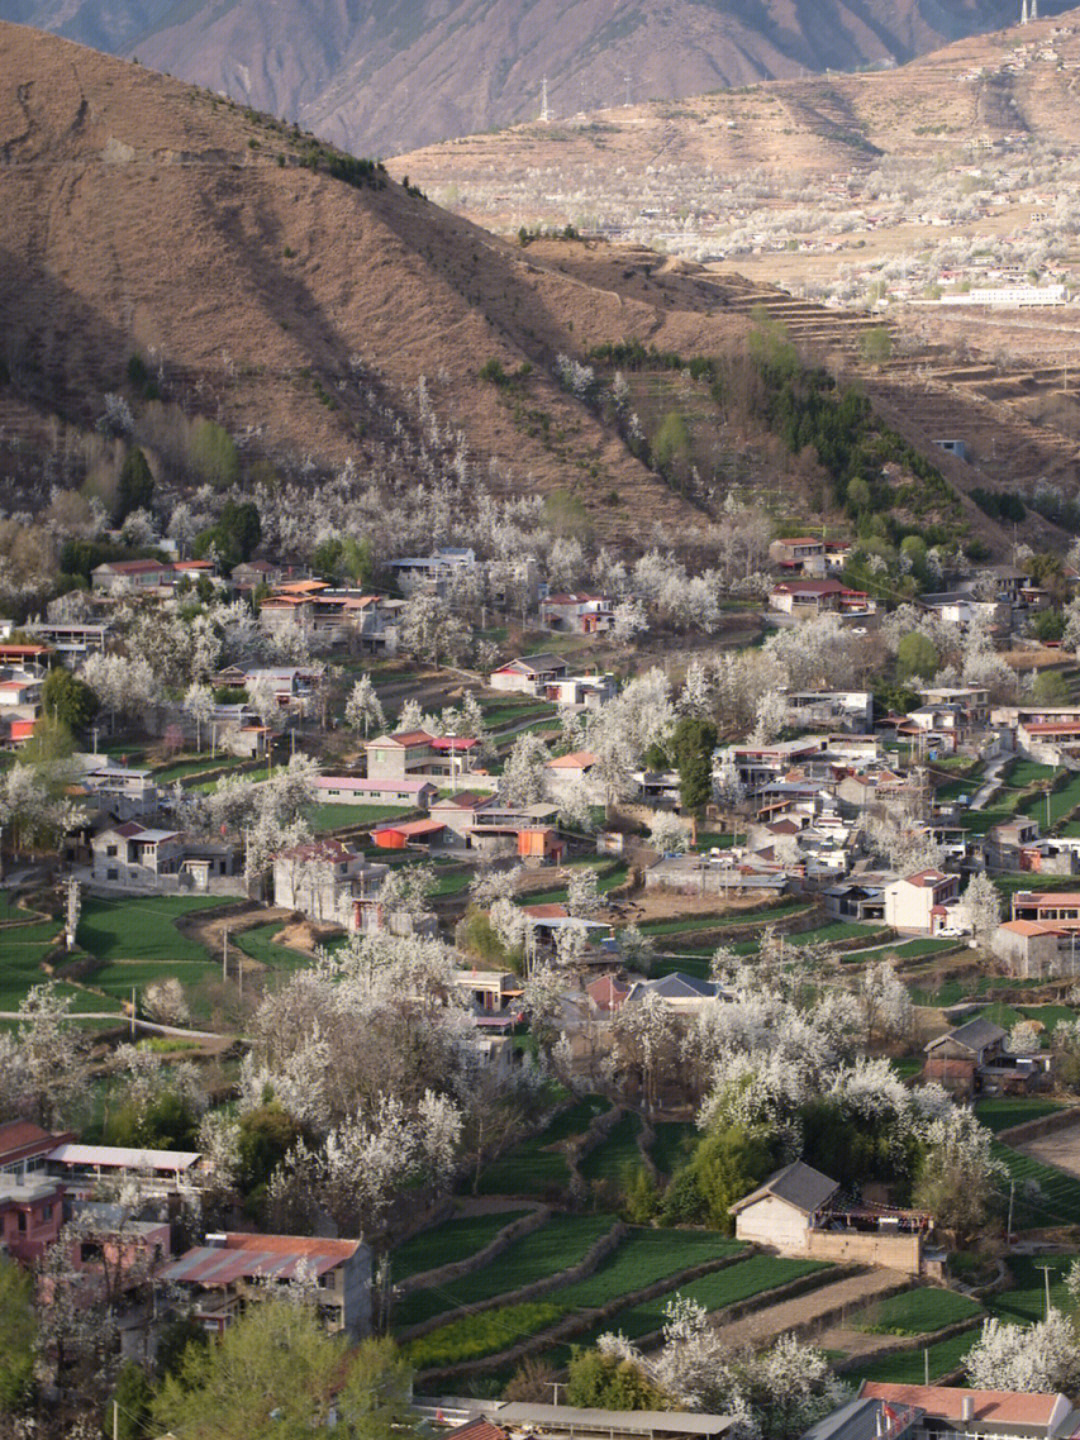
point(212, 455)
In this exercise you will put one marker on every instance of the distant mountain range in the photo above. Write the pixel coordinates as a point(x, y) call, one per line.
point(382, 78)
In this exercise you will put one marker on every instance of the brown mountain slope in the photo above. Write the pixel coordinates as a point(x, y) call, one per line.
point(976, 91)
point(382, 79)
point(142, 216)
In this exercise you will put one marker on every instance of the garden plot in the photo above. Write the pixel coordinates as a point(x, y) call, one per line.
point(450, 1242)
point(561, 1244)
point(1059, 1201)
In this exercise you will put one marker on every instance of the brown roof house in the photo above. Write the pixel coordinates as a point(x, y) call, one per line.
point(917, 904)
point(955, 1059)
point(220, 1272)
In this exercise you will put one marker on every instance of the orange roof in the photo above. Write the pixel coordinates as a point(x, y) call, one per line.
point(1000, 1406)
point(405, 737)
point(298, 587)
point(290, 1244)
point(548, 911)
point(1031, 927)
point(412, 827)
point(576, 760)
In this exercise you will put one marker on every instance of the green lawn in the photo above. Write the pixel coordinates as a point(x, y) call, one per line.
point(183, 768)
point(23, 947)
point(564, 1241)
point(324, 818)
point(141, 929)
point(610, 1160)
point(908, 1367)
point(1022, 773)
point(1061, 802)
point(918, 1312)
point(449, 1242)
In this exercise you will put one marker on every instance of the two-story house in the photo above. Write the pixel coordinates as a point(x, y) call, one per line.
point(919, 904)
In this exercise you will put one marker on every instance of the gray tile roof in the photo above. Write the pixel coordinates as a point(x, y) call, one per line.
point(798, 1185)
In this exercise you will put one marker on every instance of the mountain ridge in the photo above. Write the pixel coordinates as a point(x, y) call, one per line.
point(379, 82)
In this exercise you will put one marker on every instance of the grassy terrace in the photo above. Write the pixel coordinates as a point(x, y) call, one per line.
point(673, 1139)
point(645, 1257)
point(1003, 1112)
point(610, 1159)
point(259, 944)
point(450, 1242)
point(142, 929)
point(564, 1241)
point(908, 1366)
point(730, 1286)
point(324, 818)
point(533, 1168)
point(918, 1312)
point(1060, 1200)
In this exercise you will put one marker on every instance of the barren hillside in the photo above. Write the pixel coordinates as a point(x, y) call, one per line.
point(382, 79)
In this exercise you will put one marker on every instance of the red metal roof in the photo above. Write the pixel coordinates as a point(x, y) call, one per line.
point(947, 1401)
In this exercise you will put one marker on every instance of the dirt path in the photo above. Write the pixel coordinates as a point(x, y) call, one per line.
point(851, 1291)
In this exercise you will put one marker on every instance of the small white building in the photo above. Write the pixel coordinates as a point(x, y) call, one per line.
point(919, 904)
point(783, 1211)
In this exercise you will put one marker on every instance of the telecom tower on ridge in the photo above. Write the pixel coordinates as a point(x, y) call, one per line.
point(545, 113)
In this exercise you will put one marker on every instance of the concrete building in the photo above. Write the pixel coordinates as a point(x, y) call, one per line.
point(577, 614)
point(330, 884)
point(802, 598)
point(31, 1214)
point(218, 1273)
point(918, 904)
point(529, 674)
point(415, 753)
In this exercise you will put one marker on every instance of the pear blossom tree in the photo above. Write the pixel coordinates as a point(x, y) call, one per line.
point(363, 708)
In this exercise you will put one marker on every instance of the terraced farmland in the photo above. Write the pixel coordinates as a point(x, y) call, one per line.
point(534, 1168)
point(563, 1242)
point(754, 1276)
point(609, 1161)
point(452, 1241)
point(1060, 1201)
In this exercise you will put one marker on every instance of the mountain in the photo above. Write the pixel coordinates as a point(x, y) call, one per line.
point(382, 79)
point(295, 297)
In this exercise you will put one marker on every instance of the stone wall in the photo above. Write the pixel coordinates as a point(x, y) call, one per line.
point(852, 1247)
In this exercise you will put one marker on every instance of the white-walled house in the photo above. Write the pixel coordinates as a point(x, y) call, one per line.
point(783, 1211)
point(917, 904)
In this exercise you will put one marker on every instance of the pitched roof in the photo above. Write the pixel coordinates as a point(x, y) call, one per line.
point(680, 986)
point(19, 1136)
point(276, 1257)
point(576, 760)
point(798, 1185)
point(975, 1035)
point(947, 1401)
point(927, 879)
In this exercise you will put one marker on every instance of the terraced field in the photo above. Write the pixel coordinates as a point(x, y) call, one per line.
point(534, 1168)
point(1060, 1201)
point(609, 1161)
point(563, 1242)
point(452, 1241)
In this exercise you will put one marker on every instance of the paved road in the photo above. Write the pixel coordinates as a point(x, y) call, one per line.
point(991, 776)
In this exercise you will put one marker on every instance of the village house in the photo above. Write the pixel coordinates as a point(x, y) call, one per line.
point(783, 1211)
point(565, 774)
point(919, 904)
point(529, 674)
point(219, 1273)
point(31, 1214)
point(956, 1060)
point(802, 556)
point(830, 709)
point(330, 884)
point(1060, 908)
point(136, 856)
point(961, 607)
point(1034, 950)
point(435, 573)
point(34, 659)
point(357, 790)
point(802, 598)
point(941, 1412)
point(132, 577)
point(577, 614)
point(415, 753)
point(680, 994)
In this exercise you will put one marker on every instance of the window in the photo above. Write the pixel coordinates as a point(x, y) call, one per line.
point(111, 851)
point(46, 1212)
point(22, 1222)
point(328, 1280)
point(112, 873)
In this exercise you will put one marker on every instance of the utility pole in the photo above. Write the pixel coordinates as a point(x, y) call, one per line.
point(1046, 1277)
point(1009, 1226)
point(225, 953)
point(133, 1012)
